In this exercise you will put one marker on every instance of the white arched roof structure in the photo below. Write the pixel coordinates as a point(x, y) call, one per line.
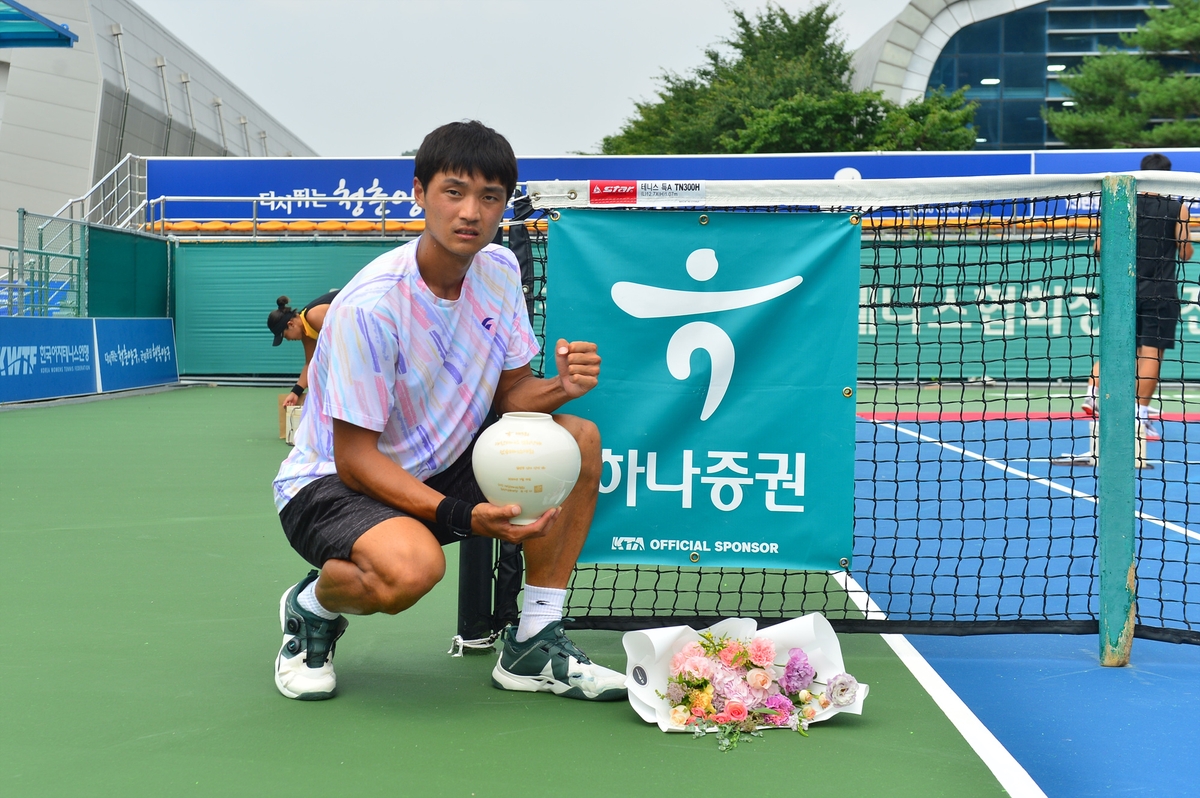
point(898, 60)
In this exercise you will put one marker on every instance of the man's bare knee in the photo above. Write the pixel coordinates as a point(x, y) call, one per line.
point(397, 589)
point(400, 562)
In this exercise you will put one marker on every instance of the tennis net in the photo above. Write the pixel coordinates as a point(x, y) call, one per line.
point(976, 481)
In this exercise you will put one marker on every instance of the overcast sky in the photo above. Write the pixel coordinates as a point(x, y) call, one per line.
point(372, 77)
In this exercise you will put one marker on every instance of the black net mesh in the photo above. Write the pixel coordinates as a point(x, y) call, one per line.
point(1168, 499)
point(975, 486)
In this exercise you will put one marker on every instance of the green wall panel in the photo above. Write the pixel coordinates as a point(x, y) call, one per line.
point(1004, 311)
point(127, 274)
point(224, 291)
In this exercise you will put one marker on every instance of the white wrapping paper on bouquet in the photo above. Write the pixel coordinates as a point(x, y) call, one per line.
point(649, 652)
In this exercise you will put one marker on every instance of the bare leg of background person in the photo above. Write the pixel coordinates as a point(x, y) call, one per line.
point(1149, 363)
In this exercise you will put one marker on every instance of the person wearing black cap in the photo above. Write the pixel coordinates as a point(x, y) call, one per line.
point(299, 325)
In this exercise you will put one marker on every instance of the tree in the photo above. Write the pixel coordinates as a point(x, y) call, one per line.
point(785, 87)
point(1127, 99)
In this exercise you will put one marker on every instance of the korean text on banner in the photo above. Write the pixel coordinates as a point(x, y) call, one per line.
point(135, 353)
point(726, 395)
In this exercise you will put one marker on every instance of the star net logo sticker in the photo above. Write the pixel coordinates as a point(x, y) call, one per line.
point(612, 192)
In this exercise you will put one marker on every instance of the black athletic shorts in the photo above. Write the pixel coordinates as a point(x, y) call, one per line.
point(1156, 322)
point(325, 518)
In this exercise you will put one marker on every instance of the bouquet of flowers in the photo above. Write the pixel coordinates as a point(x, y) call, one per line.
point(733, 686)
point(734, 681)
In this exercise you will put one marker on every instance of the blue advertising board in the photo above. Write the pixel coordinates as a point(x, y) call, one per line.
point(1082, 162)
point(46, 357)
point(49, 358)
point(725, 401)
point(135, 353)
point(369, 188)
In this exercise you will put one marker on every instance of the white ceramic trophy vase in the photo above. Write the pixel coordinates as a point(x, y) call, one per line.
point(526, 459)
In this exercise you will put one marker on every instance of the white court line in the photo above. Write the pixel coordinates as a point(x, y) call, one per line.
point(1004, 766)
point(1177, 528)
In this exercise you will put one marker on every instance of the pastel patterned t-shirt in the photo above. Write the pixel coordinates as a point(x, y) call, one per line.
point(422, 371)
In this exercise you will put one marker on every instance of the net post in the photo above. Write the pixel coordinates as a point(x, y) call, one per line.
point(475, 588)
point(1115, 479)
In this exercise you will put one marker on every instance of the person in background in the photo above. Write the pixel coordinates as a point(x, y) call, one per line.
point(299, 325)
point(1163, 241)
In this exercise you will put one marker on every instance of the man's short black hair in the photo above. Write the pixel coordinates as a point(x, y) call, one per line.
point(1156, 161)
point(470, 148)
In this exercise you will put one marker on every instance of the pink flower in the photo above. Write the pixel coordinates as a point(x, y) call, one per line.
point(810, 712)
point(758, 678)
point(731, 683)
point(762, 651)
point(698, 711)
point(722, 717)
point(783, 707)
point(736, 711)
point(692, 649)
point(697, 668)
point(677, 663)
point(730, 653)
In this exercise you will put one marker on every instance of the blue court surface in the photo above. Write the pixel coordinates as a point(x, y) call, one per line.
point(971, 521)
point(1077, 728)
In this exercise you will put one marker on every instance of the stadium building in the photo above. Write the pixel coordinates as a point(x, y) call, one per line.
point(68, 114)
point(1010, 52)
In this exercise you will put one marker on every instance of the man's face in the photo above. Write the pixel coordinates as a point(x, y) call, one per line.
point(462, 211)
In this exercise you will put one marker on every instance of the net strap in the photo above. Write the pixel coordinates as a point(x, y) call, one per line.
point(851, 193)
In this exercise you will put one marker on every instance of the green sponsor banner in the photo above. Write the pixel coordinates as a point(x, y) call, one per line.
point(725, 401)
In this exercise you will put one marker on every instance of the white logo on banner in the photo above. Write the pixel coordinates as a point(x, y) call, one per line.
point(17, 360)
point(652, 302)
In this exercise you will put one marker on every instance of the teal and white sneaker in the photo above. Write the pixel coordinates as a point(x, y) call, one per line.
point(304, 667)
point(549, 662)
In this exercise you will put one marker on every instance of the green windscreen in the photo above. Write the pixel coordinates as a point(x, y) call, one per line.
point(224, 291)
point(127, 274)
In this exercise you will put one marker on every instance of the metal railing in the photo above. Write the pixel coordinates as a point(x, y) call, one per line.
point(9, 280)
point(46, 273)
point(117, 198)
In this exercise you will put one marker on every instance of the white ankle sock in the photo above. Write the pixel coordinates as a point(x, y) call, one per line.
point(1143, 413)
point(308, 600)
point(1091, 392)
point(541, 607)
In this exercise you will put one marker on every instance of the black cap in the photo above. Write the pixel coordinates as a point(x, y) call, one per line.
point(277, 322)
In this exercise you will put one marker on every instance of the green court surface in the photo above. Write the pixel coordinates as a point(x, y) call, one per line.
point(141, 578)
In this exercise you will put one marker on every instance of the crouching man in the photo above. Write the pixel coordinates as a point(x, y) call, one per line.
point(416, 354)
